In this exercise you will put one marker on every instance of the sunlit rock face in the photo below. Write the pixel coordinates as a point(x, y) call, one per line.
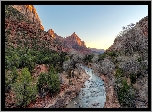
point(74, 40)
point(51, 32)
point(70, 42)
point(30, 12)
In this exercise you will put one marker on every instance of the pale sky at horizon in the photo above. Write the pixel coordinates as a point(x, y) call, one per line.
point(97, 25)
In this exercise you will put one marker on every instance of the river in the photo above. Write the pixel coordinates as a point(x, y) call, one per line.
point(93, 95)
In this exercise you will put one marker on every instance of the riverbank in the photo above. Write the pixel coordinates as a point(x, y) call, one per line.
point(68, 91)
point(92, 95)
point(111, 99)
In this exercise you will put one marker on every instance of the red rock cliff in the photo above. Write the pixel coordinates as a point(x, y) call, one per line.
point(51, 32)
point(30, 12)
point(75, 40)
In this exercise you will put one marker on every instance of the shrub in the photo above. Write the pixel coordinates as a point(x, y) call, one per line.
point(24, 89)
point(111, 53)
point(53, 83)
point(53, 80)
point(11, 59)
point(19, 58)
point(133, 78)
point(42, 82)
point(27, 60)
point(116, 67)
point(101, 56)
point(126, 95)
point(66, 58)
point(48, 82)
point(139, 59)
point(10, 78)
point(88, 58)
point(118, 72)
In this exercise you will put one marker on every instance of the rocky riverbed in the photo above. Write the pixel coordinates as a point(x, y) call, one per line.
point(92, 95)
point(68, 91)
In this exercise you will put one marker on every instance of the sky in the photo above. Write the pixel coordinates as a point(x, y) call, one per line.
point(97, 25)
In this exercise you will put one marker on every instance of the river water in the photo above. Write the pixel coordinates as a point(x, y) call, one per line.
point(93, 95)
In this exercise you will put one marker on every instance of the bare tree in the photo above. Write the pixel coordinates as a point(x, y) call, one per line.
point(125, 29)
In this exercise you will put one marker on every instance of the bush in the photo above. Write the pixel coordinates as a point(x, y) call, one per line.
point(11, 59)
point(19, 58)
point(133, 78)
point(126, 95)
point(88, 58)
point(139, 59)
point(42, 82)
point(118, 72)
point(24, 89)
point(27, 60)
point(111, 53)
point(48, 82)
point(53, 83)
point(10, 78)
point(53, 80)
point(101, 57)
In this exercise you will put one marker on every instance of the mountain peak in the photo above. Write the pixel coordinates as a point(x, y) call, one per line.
point(51, 32)
point(74, 34)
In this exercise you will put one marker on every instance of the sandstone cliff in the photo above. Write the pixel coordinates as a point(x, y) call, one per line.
point(30, 12)
point(76, 43)
point(74, 40)
point(71, 42)
point(51, 32)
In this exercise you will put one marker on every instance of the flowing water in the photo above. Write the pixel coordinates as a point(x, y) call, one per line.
point(93, 95)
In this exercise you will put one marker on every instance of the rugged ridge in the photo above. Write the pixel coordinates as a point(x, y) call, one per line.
point(70, 42)
point(127, 59)
point(140, 37)
point(24, 19)
point(76, 43)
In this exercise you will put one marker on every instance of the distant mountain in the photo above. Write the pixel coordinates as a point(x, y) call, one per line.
point(76, 43)
point(98, 51)
point(70, 42)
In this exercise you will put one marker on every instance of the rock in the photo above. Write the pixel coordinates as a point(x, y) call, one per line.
point(84, 86)
point(67, 101)
point(51, 33)
point(73, 95)
point(95, 104)
point(107, 66)
point(75, 103)
point(75, 42)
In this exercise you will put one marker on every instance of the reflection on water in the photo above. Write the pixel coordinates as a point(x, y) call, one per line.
point(93, 95)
